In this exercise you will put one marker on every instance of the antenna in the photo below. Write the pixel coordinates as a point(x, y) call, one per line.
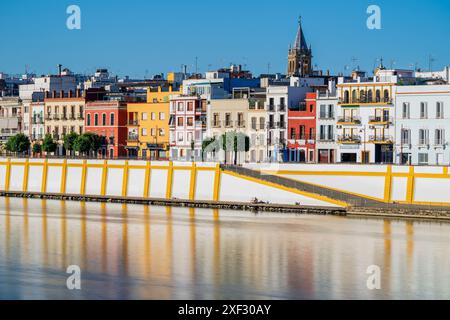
point(196, 65)
point(393, 62)
point(431, 59)
point(354, 61)
point(268, 68)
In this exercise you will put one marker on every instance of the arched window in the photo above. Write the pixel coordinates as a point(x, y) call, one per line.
point(378, 96)
point(88, 119)
point(104, 119)
point(96, 119)
point(111, 119)
point(354, 96)
point(386, 95)
point(346, 96)
point(362, 96)
point(370, 96)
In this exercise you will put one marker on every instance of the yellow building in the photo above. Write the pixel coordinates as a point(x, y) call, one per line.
point(148, 125)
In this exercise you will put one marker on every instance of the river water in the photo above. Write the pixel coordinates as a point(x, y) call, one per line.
point(141, 252)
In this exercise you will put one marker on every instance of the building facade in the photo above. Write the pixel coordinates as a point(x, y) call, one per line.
point(64, 114)
point(365, 119)
point(37, 110)
point(188, 117)
point(302, 130)
point(422, 115)
point(11, 117)
point(109, 120)
point(148, 125)
point(326, 146)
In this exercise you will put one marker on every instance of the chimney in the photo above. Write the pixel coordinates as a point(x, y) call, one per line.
point(59, 69)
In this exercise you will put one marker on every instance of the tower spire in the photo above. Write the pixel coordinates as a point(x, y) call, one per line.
point(300, 41)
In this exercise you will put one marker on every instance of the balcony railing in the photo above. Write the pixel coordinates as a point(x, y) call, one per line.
point(80, 116)
point(240, 124)
point(366, 101)
point(133, 138)
point(228, 124)
point(37, 120)
point(326, 116)
point(72, 117)
point(325, 138)
point(281, 107)
point(270, 107)
point(36, 137)
point(349, 120)
point(381, 139)
point(380, 120)
point(56, 117)
point(349, 139)
point(215, 124)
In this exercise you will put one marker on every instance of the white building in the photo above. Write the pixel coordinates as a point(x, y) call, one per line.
point(442, 75)
point(278, 102)
point(48, 84)
point(37, 121)
point(365, 116)
point(187, 127)
point(422, 125)
point(326, 146)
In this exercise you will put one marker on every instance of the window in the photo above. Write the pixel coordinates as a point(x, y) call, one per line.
point(439, 110)
point(423, 158)
point(439, 135)
point(292, 134)
point(311, 134)
point(423, 110)
point(180, 122)
point(228, 119)
point(104, 119)
point(190, 122)
point(323, 111)
point(405, 110)
point(162, 116)
point(189, 137)
point(180, 106)
point(111, 119)
point(262, 121)
point(153, 132)
point(96, 119)
point(88, 119)
point(180, 137)
point(153, 116)
point(406, 136)
point(311, 107)
point(423, 137)
point(144, 132)
point(254, 123)
point(190, 106)
point(144, 116)
point(302, 132)
point(162, 132)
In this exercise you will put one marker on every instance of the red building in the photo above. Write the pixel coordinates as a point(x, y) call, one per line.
point(108, 119)
point(302, 131)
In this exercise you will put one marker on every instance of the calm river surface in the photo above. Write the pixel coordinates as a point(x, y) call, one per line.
point(139, 252)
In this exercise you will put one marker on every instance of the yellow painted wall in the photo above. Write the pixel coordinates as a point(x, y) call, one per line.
point(156, 127)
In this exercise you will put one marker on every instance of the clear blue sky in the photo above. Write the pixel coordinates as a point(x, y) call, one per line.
point(136, 37)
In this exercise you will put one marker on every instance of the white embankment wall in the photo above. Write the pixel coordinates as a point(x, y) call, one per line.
point(391, 184)
point(144, 179)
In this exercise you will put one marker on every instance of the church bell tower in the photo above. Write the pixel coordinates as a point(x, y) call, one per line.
point(300, 56)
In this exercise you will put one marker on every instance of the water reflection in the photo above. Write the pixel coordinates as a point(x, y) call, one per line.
point(142, 252)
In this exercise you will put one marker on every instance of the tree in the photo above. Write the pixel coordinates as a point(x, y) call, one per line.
point(235, 142)
point(49, 145)
point(19, 143)
point(69, 141)
point(87, 143)
point(37, 149)
point(209, 145)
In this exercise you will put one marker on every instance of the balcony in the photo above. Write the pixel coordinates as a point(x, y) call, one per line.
point(326, 139)
point(215, 124)
point(281, 108)
point(380, 120)
point(72, 117)
point(351, 121)
point(80, 116)
point(133, 138)
point(48, 117)
point(271, 125)
point(349, 139)
point(36, 137)
point(381, 139)
point(326, 116)
point(228, 124)
point(37, 120)
point(56, 117)
point(365, 101)
point(271, 108)
point(133, 123)
point(240, 124)
point(64, 117)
